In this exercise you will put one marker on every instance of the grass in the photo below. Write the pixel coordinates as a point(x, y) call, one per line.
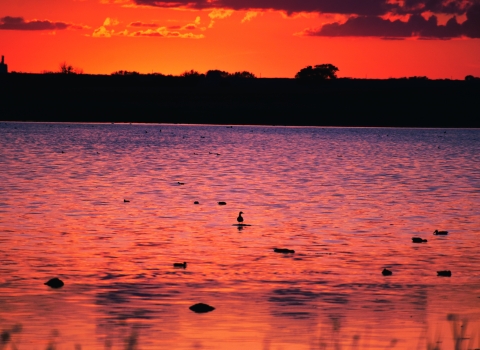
point(332, 339)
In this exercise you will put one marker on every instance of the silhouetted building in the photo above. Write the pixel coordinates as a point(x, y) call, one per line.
point(3, 66)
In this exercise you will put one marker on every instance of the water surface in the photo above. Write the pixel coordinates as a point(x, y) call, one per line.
point(347, 200)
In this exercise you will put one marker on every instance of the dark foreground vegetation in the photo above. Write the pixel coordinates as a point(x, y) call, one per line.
point(417, 102)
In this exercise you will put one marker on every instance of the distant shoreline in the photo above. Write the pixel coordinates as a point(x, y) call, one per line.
point(239, 101)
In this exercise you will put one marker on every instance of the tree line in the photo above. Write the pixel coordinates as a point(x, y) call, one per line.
point(319, 72)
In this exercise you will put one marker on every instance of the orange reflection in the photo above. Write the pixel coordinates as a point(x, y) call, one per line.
point(347, 218)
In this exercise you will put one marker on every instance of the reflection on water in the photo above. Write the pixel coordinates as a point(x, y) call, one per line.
point(348, 201)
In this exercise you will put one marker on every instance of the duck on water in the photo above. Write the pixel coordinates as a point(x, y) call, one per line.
point(180, 265)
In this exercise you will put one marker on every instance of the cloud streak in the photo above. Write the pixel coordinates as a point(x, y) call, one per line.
point(18, 23)
point(416, 26)
point(141, 24)
point(348, 7)
point(249, 15)
point(160, 32)
point(163, 32)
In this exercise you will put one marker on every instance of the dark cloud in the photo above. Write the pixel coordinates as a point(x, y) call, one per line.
point(363, 7)
point(141, 24)
point(471, 27)
point(18, 23)
point(435, 6)
point(157, 34)
point(356, 7)
point(416, 26)
point(189, 27)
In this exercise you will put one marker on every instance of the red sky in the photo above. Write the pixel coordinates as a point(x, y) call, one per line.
point(270, 38)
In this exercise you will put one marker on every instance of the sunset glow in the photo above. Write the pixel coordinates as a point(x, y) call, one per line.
point(374, 39)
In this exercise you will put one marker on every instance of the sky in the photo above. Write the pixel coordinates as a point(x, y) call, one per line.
point(270, 38)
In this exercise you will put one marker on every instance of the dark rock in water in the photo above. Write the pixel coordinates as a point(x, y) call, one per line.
point(55, 283)
point(5, 337)
point(418, 240)
point(222, 203)
point(386, 272)
point(283, 250)
point(196, 202)
point(446, 273)
point(440, 233)
point(201, 308)
point(180, 265)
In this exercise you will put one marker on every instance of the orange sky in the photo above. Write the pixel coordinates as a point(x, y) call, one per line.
point(103, 36)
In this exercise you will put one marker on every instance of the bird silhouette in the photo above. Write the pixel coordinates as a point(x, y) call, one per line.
point(240, 218)
point(180, 265)
point(440, 233)
point(283, 250)
point(445, 273)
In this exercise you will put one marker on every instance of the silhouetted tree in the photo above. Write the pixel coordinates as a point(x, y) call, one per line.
point(192, 74)
point(471, 78)
point(217, 74)
point(66, 68)
point(125, 72)
point(319, 72)
point(243, 74)
point(418, 78)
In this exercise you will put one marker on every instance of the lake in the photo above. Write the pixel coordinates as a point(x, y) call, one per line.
point(108, 208)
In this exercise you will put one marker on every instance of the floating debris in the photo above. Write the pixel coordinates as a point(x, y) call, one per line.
point(55, 283)
point(283, 250)
point(201, 308)
point(386, 272)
